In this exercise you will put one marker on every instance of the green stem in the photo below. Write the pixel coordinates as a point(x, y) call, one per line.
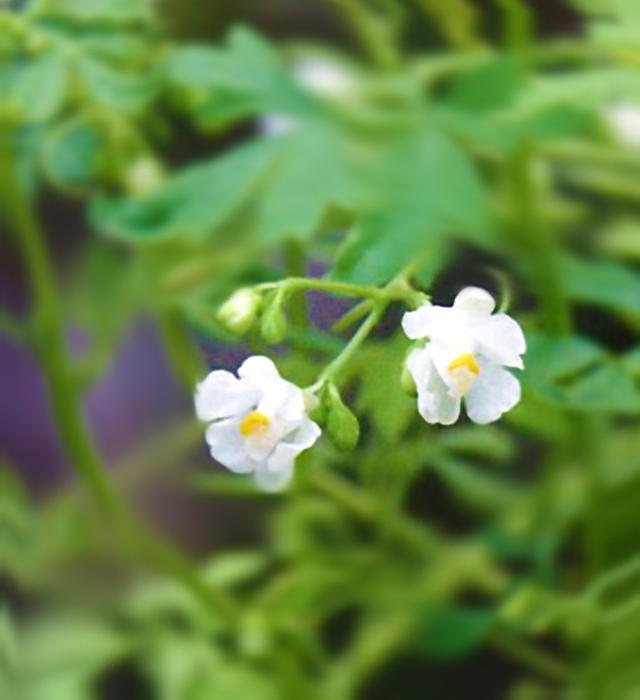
point(294, 284)
point(295, 266)
point(352, 346)
point(518, 20)
point(374, 31)
point(65, 399)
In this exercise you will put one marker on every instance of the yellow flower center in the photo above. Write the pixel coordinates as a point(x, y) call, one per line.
point(466, 361)
point(253, 424)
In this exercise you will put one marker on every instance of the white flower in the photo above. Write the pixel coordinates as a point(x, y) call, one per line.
point(258, 422)
point(465, 357)
point(624, 121)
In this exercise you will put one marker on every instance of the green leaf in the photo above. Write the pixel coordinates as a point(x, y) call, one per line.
point(603, 283)
point(70, 155)
point(41, 86)
point(549, 358)
point(193, 203)
point(607, 389)
point(96, 10)
point(248, 70)
point(118, 90)
point(576, 373)
point(596, 87)
point(310, 175)
point(486, 88)
point(450, 633)
point(380, 395)
point(425, 188)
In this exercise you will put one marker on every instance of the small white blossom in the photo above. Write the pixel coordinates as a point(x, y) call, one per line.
point(624, 121)
point(468, 350)
point(258, 421)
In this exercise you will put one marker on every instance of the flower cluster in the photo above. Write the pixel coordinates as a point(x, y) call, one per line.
point(259, 422)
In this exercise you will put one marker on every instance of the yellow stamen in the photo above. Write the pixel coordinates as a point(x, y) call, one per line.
point(253, 423)
point(466, 360)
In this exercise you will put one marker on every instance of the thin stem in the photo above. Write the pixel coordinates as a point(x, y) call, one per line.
point(375, 33)
point(352, 346)
point(293, 284)
point(295, 266)
point(518, 21)
point(65, 399)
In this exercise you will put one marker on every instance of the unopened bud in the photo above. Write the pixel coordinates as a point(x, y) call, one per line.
point(143, 177)
point(239, 312)
point(274, 324)
point(343, 428)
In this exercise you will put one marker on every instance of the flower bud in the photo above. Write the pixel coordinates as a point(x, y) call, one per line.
point(143, 177)
point(343, 428)
point(239, 311)
point(274, 324)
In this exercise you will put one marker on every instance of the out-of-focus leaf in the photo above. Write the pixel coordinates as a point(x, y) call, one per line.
point(248, 71)
point(479, 490)
point(95, 10)
point(486, 88)
point(606, 389)
point(426, 188)
point(380, 395)
point(40, 87)
point(486, 441)
point(578, 374)
point(602, 283)
point(118, 90)
point(194, 202)
point(71, 155)
point(621, 239)
point(549, 358)
point(597, 87)
point(557, 122)
point(450, 633)
point(311, 174)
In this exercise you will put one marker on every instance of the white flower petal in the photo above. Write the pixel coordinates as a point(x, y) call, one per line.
point(426, 321)
point(495, 391)
point(474, 301)
point(227, 446)
point(259, 370)
point(500, 340)
point(305, 435)
point(221, 395)
point(277, 472)
point(435, 403)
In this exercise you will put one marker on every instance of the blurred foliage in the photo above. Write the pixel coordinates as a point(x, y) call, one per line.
point(525, 538)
